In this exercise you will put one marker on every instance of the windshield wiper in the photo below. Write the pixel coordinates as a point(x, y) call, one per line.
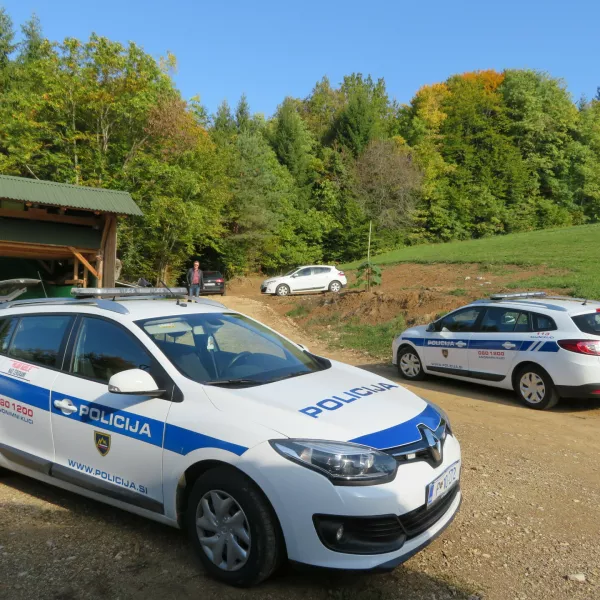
point(289, 376)
point(233, 382)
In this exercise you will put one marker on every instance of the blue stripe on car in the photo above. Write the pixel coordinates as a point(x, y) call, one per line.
point(177, 439)
point(520, 346)
point(403, 433)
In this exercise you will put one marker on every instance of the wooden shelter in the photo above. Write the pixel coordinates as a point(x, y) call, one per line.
point(69, 231)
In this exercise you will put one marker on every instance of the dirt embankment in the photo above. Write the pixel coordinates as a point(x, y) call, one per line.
point(420, 293)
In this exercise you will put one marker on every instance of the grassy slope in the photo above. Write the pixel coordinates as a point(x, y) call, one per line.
point(573, 249)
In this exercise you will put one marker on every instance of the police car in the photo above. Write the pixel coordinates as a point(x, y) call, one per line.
point(201, 418)
point(542, 347)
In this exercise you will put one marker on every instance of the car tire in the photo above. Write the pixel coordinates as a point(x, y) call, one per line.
point(335, 287)
point(535, 388)
point(409, 364)
point(221, 494)
point(282, 290)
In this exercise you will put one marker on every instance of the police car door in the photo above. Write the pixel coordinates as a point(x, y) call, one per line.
point(445, 348)
point(105, 442)
point(495, 345)
point(32, 348)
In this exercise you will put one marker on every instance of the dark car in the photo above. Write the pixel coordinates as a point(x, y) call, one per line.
point(214, 283)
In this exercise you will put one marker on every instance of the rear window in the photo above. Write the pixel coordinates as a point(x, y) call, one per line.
point(543, 323)
point(38, 339)
point(212, 274)
point(589, 323)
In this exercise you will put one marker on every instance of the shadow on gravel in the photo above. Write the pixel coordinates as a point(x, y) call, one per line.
point(57, 545)
point(475, 391)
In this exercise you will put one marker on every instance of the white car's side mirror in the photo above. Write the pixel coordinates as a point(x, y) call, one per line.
point(304, 347)
point(134, 382)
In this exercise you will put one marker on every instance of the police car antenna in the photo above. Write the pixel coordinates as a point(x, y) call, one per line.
point(172, 294)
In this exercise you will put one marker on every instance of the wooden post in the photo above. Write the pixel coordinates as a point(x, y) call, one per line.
point(75, 268)
point(85, 276)
point(109, 253)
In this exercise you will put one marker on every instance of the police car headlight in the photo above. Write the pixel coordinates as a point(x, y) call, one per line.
point(343, 463)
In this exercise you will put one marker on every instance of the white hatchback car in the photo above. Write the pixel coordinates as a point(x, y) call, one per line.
point(201, 418)
point(313, 278)
point(542, 347)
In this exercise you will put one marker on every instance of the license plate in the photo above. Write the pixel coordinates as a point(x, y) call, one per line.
point(207, 284)
point(442, 484)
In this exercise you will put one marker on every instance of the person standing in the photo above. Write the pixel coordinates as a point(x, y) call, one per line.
point(194, 279)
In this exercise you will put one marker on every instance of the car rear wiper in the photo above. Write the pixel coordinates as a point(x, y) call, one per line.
point(225, 382)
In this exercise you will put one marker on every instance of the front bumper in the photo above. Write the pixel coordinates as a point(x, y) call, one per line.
point(588, 390)
point(298, 494)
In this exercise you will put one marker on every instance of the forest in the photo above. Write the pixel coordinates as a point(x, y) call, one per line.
point(480, 154)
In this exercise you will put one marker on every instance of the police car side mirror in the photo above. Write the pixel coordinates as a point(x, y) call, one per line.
point(430, 327)
point(303, 347)
point(134, 382)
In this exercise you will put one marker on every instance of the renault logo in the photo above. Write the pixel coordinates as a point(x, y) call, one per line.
point(434, 445)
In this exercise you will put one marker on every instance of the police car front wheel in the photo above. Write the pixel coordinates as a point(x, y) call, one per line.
point(409, 364)
point(233, 528)
point(535, 387)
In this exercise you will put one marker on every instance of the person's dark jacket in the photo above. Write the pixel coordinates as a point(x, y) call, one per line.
point(190, 275)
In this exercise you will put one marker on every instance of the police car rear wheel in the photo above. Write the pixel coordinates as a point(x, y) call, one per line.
point(282, 290)
point(409, 364)
point(535, 388)
point(233, 528)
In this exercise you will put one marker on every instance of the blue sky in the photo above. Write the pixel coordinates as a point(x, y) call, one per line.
point(272, 49)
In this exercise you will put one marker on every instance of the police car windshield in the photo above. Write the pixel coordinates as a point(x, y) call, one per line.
point(225, 349)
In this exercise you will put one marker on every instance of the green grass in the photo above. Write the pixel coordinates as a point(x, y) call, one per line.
point(298, 311)
point(375, 340)
point(458, 292)
point(572, 249)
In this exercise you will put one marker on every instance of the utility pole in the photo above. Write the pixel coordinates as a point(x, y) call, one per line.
point(369, 259)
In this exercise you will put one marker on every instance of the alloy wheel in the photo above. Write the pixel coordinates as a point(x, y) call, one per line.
point(223, 530)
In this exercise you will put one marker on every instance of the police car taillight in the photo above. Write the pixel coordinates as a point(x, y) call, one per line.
point(590, 347)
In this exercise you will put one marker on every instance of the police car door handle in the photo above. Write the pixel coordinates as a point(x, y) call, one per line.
point(509, 345)
point(66, 406)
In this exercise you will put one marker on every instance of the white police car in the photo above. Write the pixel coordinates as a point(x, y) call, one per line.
point(314, 278)
point(202, 418)
point(542, 347)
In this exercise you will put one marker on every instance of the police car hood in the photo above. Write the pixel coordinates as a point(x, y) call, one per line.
point(342, 403)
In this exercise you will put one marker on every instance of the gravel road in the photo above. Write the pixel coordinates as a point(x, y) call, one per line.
point(529, 527)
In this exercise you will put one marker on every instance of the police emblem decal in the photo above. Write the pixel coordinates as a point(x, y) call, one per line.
point(445, 353)
point(102, 441)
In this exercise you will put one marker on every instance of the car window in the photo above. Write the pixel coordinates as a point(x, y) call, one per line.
point(304, 272)
point(38, 339)
point(7, 326)
point(589, 323)
point(543, 323)
point(504, 320)
point(228, 347)
point(103, 349)
point(321, 270)
point(461, 320)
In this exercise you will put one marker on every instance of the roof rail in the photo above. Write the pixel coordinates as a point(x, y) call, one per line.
point(518, 295)
point(98, 302)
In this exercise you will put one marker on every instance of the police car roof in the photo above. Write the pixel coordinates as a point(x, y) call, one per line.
point(572, 306)
point(134, 310)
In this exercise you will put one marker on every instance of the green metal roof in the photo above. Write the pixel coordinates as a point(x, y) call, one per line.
point(69, 196)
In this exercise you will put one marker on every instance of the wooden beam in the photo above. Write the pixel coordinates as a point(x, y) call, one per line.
point(84, 261)
point(109, 253)
point(33, 247)
point(105, 232)
point(36, 214)
point(75, 268)
point(85, 276)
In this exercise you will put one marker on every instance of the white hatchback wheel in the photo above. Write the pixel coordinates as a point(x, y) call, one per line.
point(223, 530)
point(335, 287)
point(533, 388)
point(410, 365)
